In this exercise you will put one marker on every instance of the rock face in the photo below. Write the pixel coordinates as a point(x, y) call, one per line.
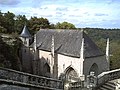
point(9, 47)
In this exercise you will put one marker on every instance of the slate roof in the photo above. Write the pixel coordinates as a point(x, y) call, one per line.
point(67, 42)
point(25, 33)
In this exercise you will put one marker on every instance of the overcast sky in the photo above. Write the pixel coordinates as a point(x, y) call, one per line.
point(82, 13)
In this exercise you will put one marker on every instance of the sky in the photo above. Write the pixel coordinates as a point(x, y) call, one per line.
point(81, 13)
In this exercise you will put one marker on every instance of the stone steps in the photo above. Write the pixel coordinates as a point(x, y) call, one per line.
point(108, 86)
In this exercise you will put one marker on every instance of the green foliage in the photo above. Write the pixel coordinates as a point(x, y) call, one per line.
point(52, 26)
point(9, 21)
point(20, 21)
point(38, 23)
point(115, 55)
point(98, 33)
point(64, 25)
point(3, 30)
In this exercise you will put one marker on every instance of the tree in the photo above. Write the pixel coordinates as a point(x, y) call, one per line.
point(20, 21)
point(58, 25)
point(2, 23)
point(36, 24)
point(115, 55)
point(52, 26)
point(9, 21)
point(64, 25)
point(1, 18)
point(3, 30)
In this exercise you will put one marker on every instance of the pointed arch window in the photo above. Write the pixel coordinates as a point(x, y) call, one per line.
point(46, 70)
point(94, 68)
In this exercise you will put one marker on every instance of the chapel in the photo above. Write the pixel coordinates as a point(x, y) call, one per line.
point(64, 53)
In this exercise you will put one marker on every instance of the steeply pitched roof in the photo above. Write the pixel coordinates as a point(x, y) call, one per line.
point(67, 42)
point(25, 33)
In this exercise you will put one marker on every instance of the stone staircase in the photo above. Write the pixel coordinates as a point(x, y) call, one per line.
point(108, 86)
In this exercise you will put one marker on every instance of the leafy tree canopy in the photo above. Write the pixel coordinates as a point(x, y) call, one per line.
point(65, 25)
point(38, 23)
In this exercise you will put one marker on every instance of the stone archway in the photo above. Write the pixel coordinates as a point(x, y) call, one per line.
point(94, 68)
point(71, 75)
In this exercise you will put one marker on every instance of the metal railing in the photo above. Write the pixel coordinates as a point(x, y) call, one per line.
point(9, 76)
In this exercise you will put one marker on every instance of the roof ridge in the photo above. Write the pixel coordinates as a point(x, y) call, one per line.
point(62, 29)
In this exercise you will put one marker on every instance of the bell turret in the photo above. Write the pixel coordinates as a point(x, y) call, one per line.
point(25, 36)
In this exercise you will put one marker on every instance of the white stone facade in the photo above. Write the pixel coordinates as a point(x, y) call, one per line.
point(65, 62)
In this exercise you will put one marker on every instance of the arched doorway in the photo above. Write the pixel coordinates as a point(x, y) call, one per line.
point(94, 68)
point(71, 75)
point(46, 70)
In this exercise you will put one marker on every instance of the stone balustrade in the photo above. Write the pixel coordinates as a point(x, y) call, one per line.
point(28, 80)
point(76, 84)
point(108, 76)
